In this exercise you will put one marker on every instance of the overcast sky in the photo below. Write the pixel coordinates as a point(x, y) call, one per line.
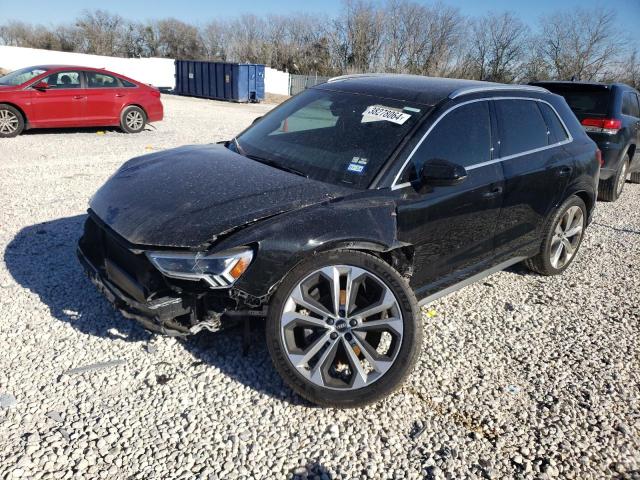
point(194, 11)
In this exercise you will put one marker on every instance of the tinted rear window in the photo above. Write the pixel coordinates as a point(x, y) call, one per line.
point(522, 127)
point(585, 100)
point(557, 132)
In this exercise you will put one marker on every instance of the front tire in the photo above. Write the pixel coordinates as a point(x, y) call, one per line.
point(611, 189)
point(561, 239)
point(133, 120)
point(634, 177)
point(11, 121)
point(343, 329)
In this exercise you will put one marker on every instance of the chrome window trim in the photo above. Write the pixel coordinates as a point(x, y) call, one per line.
point(569, 139)
point(490, 88)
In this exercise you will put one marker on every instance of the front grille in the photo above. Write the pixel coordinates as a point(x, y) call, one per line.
point(105, 248)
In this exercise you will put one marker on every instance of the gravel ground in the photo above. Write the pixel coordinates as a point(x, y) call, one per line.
point(521, 376)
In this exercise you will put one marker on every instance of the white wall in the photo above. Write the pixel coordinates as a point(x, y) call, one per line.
point(159, 72)
point(276, 81)
point(155, 71)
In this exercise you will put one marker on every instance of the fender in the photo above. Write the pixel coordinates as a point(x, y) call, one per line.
point(281, 242)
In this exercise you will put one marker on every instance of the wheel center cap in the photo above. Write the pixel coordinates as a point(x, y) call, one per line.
point(341, 325)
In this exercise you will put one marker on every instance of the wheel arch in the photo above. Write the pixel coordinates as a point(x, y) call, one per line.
point(20, 109)
point(400, 258)
point(588, 199)
point(631, 151)
point(134, 105)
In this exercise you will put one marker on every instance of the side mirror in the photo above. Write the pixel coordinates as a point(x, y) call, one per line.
point(42, 85)
point(442, 173)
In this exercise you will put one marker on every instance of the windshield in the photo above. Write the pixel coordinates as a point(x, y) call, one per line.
point(20, 76)
point(334, 137)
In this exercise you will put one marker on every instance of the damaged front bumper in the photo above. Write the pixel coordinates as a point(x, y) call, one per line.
point(157, 315)
point(140, 292)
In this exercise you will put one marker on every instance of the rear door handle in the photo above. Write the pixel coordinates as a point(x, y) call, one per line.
point(493, 193)
point(78, 97)
point(564, 171)
point(119, 95)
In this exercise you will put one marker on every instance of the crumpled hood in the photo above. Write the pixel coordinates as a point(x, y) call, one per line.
point(188, 196)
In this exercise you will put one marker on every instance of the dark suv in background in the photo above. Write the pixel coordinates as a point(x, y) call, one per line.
point(610, 113)
point(340, 212)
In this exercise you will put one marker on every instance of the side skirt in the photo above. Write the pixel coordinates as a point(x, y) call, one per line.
point(473, 279)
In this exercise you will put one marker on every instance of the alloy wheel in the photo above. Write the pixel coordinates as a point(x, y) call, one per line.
point(9, 122)
point(134, 120)
point(567, 236)
point(342, 327)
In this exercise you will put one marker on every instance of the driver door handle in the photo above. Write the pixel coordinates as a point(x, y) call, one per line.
point(492, 193)
point(78, 97)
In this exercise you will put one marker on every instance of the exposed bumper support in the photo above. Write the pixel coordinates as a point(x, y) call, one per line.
point(154, 315)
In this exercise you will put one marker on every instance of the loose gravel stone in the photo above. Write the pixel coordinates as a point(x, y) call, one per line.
point(569, 344)
point(7, 400)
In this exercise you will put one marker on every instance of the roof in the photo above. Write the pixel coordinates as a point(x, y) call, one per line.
point(569, 83)
point(414, 88)
point(56, 67)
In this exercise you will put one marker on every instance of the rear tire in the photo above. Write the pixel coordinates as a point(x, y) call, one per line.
point(562, 238)
point(133, 120)
point(340, 359)
point(611, 189)
point(634, 177)
point(11, 121)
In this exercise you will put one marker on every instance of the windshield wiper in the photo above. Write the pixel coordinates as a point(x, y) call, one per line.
point(277, 165)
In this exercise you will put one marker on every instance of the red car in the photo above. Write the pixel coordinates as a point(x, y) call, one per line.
point(54, 96)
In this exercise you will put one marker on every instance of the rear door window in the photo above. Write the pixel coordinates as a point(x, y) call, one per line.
point(522, 127)
point(630, 105)
point(462, 136)
point(557, 132)
point(100, 80)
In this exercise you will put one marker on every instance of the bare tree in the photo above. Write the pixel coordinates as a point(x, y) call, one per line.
point(404, 36)
point(358, 36)
point(214, 39)
point(580, 44)
point(498, 45)
point(629, 70)
point(16, 34)
point(100, 31)
point(177, 39)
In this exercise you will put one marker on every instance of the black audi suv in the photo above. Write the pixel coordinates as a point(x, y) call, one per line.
point(338, 214)
point(610, 113)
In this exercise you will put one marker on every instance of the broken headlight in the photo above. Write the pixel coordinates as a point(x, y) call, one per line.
point(219, 270)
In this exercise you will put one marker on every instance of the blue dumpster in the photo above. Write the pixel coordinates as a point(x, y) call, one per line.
point(237, 82)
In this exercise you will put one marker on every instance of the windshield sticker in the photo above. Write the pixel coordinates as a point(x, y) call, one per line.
point(358, 165)
point(377, 113)
point(411, 109)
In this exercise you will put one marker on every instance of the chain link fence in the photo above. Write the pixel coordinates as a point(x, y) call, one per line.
point(298, 83)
